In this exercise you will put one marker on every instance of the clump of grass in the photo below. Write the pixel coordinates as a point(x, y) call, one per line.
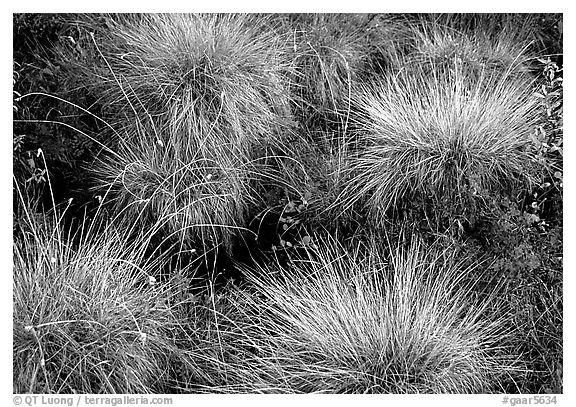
point(226, 69)
point(438, 43)
point(201, 193)
point(352, 322)
point(524, 28)
point(330, 51)
point(538, 323)
point(88, 315)
point(441, 137)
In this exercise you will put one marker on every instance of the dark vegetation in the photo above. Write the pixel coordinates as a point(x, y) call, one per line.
point(287, 203)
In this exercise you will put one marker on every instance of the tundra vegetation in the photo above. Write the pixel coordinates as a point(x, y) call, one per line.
point(301, 203)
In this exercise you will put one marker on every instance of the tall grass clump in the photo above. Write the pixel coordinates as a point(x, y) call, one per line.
point(198, 193)
point(354, 322)
point(330, 52)
point(88, 314)
point(442, 138)
point(441, 41)
point(225, 68)
point(538, 30)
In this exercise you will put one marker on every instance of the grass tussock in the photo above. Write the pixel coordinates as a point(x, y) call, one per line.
point(536, 29)
point(330, 52)
point(88, 314)
point(445, 137)
point(441, 42)
point(200, 195)
point(354, 322)
point(223, 68)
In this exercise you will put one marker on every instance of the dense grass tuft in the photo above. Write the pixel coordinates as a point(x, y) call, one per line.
point(223, 68)
point(88, 315)
point(199, 193)
point(330, 52)
point(443, 136)
point(539, 30)
point(353, 322)
point(442, 42)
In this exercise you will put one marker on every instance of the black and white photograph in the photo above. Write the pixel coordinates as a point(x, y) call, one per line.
point(287, 203)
